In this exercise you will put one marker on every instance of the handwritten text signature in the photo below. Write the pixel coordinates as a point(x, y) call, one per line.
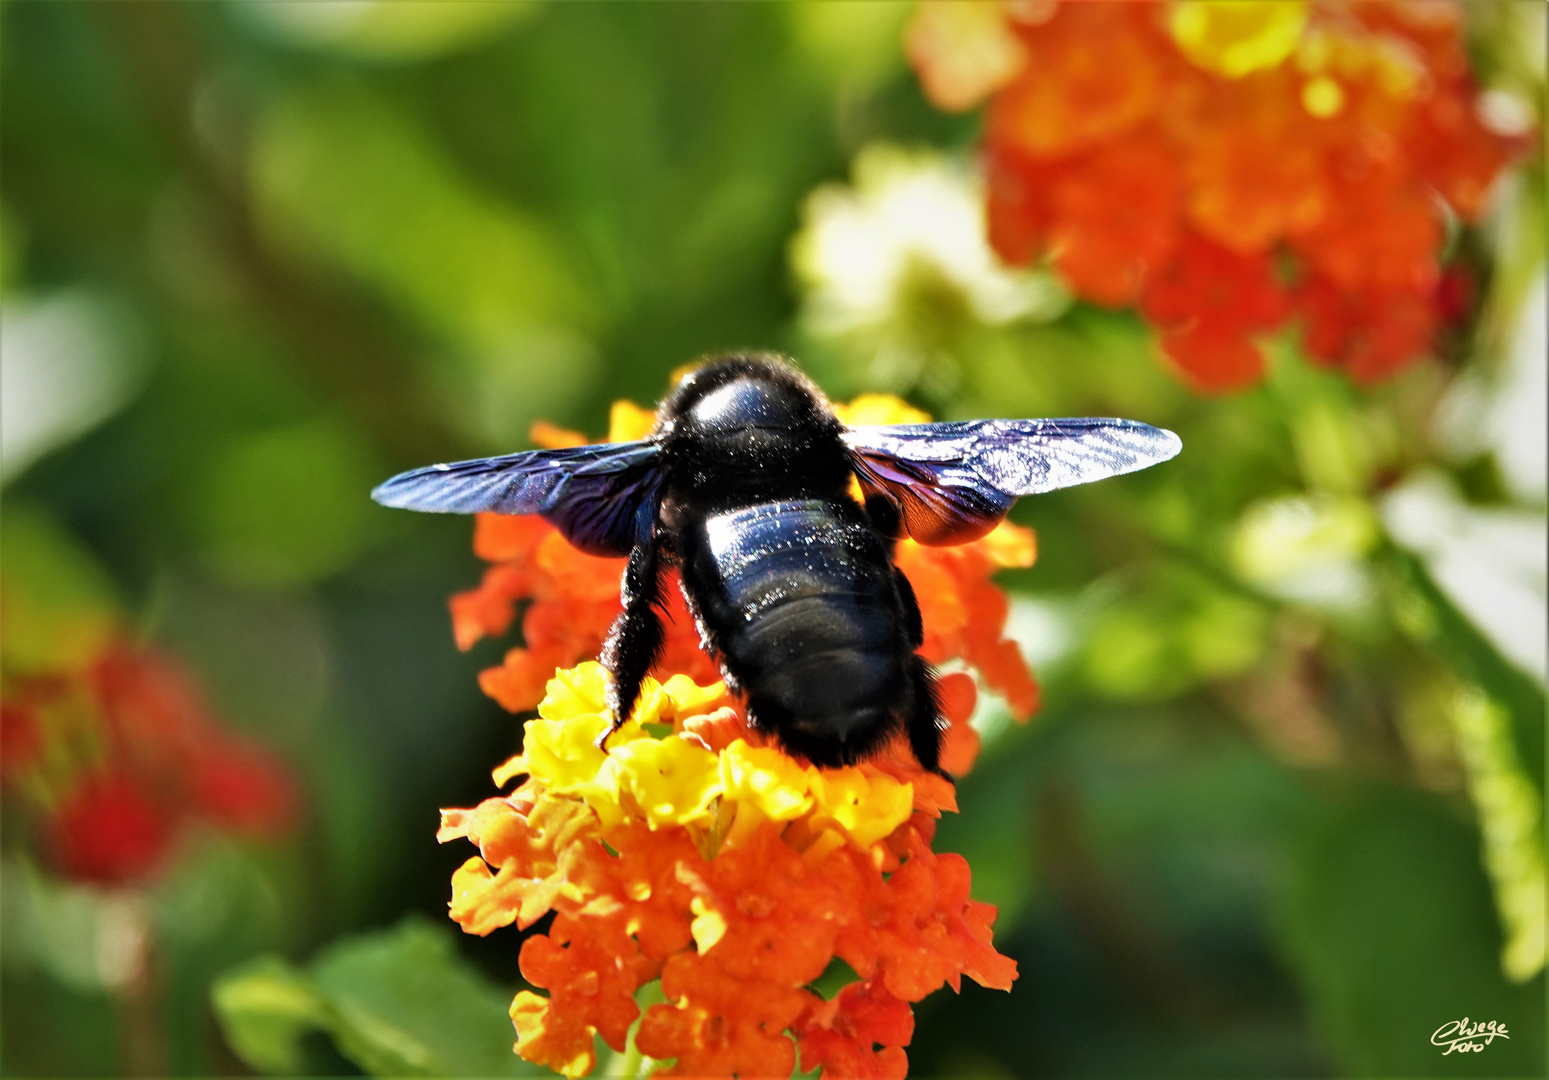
point(1466, 1038)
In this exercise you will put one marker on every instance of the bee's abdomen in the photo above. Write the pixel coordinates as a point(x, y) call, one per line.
point(801, 599)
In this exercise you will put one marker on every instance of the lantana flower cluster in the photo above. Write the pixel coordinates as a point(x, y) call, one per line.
point(696, 852)
point(114, 762)
point(1227, 166)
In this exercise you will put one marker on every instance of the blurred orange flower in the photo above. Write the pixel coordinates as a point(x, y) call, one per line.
point(116, 761)
point(695, 852)
point(1228, 166)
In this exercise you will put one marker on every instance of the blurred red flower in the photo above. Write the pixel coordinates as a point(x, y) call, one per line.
point(1228, 165)
point(114, 762)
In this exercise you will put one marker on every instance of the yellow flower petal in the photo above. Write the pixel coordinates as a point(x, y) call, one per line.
point(512, 766)
point(1323, 97)
point(708, 927)
point(765, 778)
point(1235, 37)
point(868, 807)
point(653, 706)
point(481, 901)
point(689, 698)
point(1011, 545)
point(575, 691)
point(583, 690)
point(879, 409)
point(628, 422)
point(672, 780)
point(964, 51)
point(563, 753)
point(828, 840)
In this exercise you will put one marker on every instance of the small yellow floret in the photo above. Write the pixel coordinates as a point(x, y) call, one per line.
point(672, 780)
point(559, 747)
point(563, 753)
point(708, 927)
point(867, 806)
point(1011, 546)
point(628, 422)
point(575, 691)
point(689, 698)
point(766, 778)
point(1237, 37)
point(512, 766)
point(1323, 97)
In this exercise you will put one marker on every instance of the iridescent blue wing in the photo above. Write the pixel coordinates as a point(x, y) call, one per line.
point(602, 497)
point(952, 482)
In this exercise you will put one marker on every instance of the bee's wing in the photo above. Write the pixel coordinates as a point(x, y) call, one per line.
point(953, 481)
point(602, 497)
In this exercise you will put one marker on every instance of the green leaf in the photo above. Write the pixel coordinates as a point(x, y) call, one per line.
point(1426, 612)
point(408, 1005)
point(283, 507)
point(265, 1007)
point(397, 1003)
point(1168, 629)
point(1389, 923)
point(57, 608)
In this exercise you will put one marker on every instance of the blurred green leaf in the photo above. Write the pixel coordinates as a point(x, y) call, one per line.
point(1168, 632)
point(57, 606)
point(344, 177)
point(408, 1005)
point(397, 1003)
point(288, 505)
point(854, 44)
point(13, 242)
point(265, 1007)
point(1090, 362)
point(392, 31)
point(342, 173)
point(1424, 610)
point(1389, 923)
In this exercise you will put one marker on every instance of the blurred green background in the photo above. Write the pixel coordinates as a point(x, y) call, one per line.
point(1280, 814)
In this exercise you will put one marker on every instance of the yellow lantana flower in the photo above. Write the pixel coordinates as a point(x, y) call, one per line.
point(672, 781)
point(1236, 37)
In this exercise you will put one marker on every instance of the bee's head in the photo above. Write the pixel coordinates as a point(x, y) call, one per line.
point(750, 419)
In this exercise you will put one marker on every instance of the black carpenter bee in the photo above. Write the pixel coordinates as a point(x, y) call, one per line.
point(745, 486)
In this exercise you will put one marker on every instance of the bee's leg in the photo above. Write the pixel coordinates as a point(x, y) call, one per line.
point(694, 585)
point(635, 642)
point(914, 623)
point(924, 719)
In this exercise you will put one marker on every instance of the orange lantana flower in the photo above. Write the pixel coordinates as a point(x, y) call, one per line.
point(729, 870)
point(1227, 166)
point(697, 852)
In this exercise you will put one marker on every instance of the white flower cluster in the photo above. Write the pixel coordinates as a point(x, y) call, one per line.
point(903, 250)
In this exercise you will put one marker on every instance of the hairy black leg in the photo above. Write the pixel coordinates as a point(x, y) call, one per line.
point(696, 565)
point(914, 622)
point(924, 719)
point(635, 640)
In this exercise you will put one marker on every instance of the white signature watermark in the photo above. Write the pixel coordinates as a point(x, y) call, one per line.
point(1467, 1038)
